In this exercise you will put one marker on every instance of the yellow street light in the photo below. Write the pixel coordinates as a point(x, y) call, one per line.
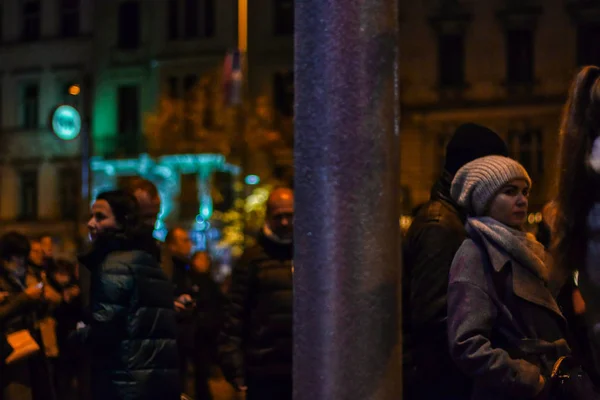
point(74, 90)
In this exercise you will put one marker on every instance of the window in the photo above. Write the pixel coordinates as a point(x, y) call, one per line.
point(527, 148)
point(588, 51)
point(29, 195)
point(284, 17)
point(188, 198)
point(129, 25)
point(451, 63)
point(30, 104)
point(190, 24)
point(189, 83)
point(283, 96)
point(128, 118)
point(519, 56)
point(209, 18)
point(172, 18)
point(68, 181)
point(31, 20)
point(69, 18)
point(173, 87)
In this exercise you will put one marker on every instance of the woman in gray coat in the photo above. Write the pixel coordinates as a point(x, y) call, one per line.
point(505, 329)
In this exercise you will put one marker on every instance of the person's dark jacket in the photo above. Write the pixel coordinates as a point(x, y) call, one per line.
point(256, 339)
point(132, 332)
point(434, 237)
point(199, 324)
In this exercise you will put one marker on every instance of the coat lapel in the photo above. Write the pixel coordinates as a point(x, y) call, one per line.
point(526, 284)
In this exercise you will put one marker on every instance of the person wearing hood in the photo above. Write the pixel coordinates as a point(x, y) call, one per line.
point(505, 329)
point(433, 238)
point(255, 343)
point(132, 330)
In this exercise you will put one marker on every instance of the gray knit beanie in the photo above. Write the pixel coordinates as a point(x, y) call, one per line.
point(476, 183)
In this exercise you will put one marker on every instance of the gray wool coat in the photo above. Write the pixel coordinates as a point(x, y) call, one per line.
point(504, 326)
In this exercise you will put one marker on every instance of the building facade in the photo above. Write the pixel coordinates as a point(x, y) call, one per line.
point(45, 48)
point(505, 64)
point(124, 56)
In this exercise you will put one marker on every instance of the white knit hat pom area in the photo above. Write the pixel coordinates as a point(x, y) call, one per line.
point(476, 183)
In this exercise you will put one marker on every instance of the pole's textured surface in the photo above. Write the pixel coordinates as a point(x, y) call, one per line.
point(346, 300)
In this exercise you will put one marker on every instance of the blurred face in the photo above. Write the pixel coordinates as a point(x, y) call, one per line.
point(46, 243)
point(102, 219)
point(510, 204)
point(181, 245)
point(149, 207)
point(36, 254)
point(16, 265)
point(201, 263)
point(280, 214)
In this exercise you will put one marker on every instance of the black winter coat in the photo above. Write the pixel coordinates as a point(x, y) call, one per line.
point(132, 331)
point(431, 242)
point(256, 339)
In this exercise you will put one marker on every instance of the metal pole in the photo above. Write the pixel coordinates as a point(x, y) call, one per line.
point(347, 253)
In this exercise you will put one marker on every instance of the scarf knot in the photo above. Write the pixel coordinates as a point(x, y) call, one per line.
point(521, 246)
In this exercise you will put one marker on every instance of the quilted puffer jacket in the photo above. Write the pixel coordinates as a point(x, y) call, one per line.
point(132, 330)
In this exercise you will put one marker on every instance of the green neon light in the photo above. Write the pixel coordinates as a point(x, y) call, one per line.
point(66, 122)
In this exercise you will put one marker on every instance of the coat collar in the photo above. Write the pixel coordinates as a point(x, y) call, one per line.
point(525, 284)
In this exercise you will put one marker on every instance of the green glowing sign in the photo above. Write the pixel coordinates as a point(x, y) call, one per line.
point(66, 122)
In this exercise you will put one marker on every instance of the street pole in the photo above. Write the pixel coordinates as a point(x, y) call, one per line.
point(240, 118)
point(347, 336)
point(86, 154)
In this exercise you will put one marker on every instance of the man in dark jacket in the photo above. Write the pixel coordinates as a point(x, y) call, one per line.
point(431, 242)
point(256, 341)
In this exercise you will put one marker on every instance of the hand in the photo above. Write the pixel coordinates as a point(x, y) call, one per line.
point(80, 325)
point(184, 299)
point(3, 296)
point(71, 293)
point(240, 385)
point(34, 292)
point(178, 306)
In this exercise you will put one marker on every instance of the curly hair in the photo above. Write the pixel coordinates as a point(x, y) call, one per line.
point(574, 194)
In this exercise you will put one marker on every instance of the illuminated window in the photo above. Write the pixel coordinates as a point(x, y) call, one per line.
point(31, 20)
